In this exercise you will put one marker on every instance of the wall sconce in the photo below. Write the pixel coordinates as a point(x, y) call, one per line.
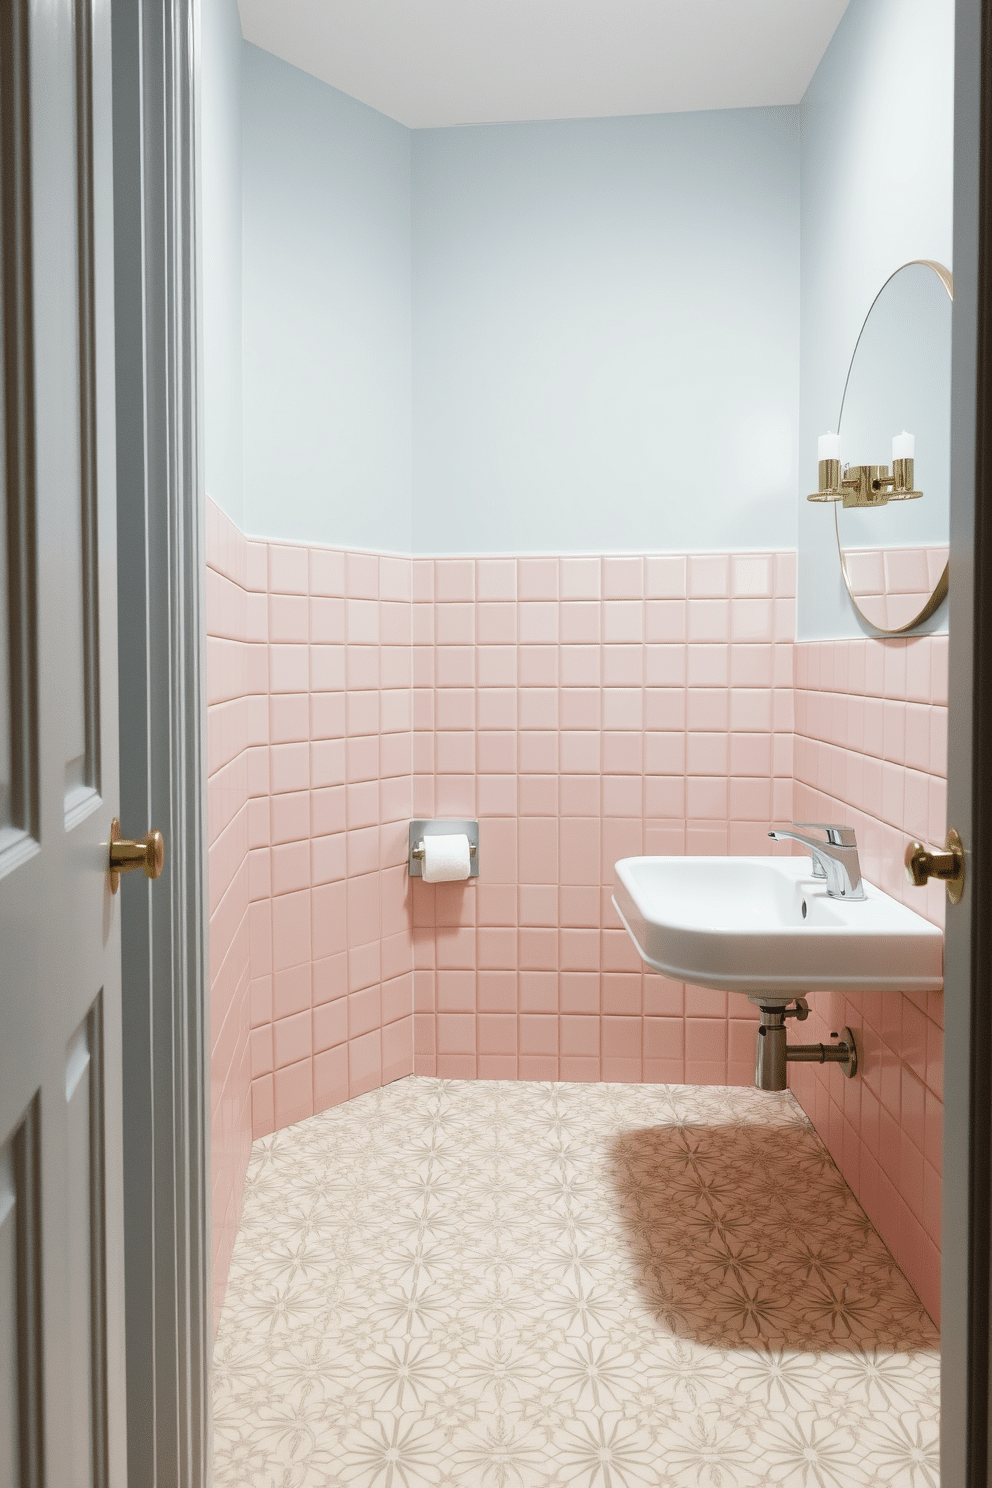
point(866, 485)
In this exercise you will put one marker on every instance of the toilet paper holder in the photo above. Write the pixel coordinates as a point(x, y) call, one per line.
point(421, 829)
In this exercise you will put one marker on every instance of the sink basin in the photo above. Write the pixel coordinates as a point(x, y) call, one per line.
point(766, 927)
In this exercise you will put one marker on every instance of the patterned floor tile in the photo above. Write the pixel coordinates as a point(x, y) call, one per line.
point(458, 1284)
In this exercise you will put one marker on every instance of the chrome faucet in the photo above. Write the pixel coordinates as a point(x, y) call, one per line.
point(836, 860)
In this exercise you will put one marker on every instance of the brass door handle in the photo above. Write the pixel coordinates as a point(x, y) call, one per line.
point(148, 854)
point(924, 863)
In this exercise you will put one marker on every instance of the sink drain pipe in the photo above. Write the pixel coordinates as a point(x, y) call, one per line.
point(772, 1052)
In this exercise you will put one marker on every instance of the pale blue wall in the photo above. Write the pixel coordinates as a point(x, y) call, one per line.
point(601, 345)
point(220, 235)
point(326, 313)
point(876, 129)
point(605, 333)
point(600, 351)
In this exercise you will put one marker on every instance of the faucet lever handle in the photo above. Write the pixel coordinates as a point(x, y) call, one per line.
point(836, 836)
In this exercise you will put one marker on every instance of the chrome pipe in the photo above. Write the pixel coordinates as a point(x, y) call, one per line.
point(770, 1050)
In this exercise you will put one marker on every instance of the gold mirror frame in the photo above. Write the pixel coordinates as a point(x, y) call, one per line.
point(941, 587)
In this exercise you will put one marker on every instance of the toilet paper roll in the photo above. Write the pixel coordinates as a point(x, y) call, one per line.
point(446, 858)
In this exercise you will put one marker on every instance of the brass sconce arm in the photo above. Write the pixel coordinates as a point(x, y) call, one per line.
point(865, 485)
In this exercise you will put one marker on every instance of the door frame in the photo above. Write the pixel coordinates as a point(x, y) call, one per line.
point(967, 1153)
point(161, 578)
point(161, 584)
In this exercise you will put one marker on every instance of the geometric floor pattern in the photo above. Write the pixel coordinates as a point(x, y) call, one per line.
point(498, 1284)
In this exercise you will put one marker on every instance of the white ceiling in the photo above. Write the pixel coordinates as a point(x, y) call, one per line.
point(430, 63)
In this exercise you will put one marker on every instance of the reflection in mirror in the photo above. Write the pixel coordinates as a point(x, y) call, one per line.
point(894, 556)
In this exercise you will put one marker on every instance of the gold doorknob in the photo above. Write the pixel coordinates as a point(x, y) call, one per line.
point(924, 863)
point(148, 854)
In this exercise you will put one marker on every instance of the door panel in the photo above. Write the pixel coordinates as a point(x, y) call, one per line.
point(61, 1277)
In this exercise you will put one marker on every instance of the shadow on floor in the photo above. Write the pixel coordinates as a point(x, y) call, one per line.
point(747, 1234)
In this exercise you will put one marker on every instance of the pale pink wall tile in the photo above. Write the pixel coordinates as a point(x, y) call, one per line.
point(496, 579)
point(288, 569)
point(362, 575)
point(708, 576)
point(537, 578)
point(293, 1093)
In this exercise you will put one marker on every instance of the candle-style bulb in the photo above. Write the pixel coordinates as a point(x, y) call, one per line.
point(828, 447)
point(904, 446)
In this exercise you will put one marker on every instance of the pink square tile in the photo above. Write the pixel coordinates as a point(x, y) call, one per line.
point(288, 668)
point(579, 992)
point(623, 666)
point(538, 1067)
point(496, 624)
point(327, 571)
point(395, 579)
point(665, 578)
point(665, 621)
point(580, 1036)
point(580, 623)
point(538, 1034)
point(621, 1038)
point(623, 795)
point(288, 570)
point(261, 1050)
point(623, 753)
point(708, 576)
point(620, 990)
point(291, 1039)
point(708, 665)
point(497, 1033)
point(580, 949)
point(537, 578)
point(290, 930)
point(362, 575)
point(330, 1024)
point(330, 1078)
point(256, 566)
point(291, 990)
point(785, 574)
point(455, 625)
point(293, 1093)
point(752, 575)
point(705, 1039)
point(579, 795)
point(537, 949)
point(364, 1063)
point(456, 1033)
point(537, 623)
point(579, 578)
point(454, 579)
point(397, 1049)
point(262, 1107)
point(580, 666)
point(496, 579)
point(623, 578)
point(289, 618)
point(709, 621)
point(752, 621)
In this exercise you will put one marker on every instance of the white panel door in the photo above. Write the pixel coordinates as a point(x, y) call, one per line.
point(61, 1261)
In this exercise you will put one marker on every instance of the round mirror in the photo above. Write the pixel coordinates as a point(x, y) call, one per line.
point(893, 553)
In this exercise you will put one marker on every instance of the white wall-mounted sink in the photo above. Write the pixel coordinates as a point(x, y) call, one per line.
point(766, 927)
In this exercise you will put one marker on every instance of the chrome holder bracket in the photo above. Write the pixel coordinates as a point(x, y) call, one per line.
point(421, 829)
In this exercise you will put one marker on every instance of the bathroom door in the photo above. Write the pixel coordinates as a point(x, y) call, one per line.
point(61, 1261)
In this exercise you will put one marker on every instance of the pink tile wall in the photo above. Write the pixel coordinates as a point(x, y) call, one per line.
point(329, 799)
point(588, 709)
point(871, 751)
point(584, 709)
point(227, 805)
